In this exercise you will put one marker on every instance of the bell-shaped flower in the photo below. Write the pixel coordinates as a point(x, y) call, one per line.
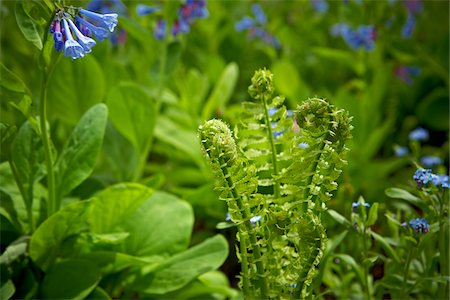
point(57, 36)
point(107, 20)
point(99, 32)
point(71, 47)
point(160, 30)
point(86, 42)
point(143, 9)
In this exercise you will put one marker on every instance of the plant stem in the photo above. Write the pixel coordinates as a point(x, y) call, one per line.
point(444, 246)
point(273, 148)
point(256, 251)
point(365, 264)
point(405, 273)
point(46, 141)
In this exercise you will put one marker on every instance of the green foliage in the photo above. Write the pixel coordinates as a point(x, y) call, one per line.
point(259, 175)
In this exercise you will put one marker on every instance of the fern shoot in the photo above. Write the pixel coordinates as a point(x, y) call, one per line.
point(280, 169)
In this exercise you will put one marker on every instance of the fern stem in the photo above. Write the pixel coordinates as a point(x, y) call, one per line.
point(312, 170)
point(273, 148)
point(256, 251)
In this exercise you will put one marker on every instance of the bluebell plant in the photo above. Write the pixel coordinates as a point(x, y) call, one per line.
point(73, 29)
point(276, 207)
point(407, 73)
point(111, 6)
point(187, 13)
point(256, 27)
point(361, 38)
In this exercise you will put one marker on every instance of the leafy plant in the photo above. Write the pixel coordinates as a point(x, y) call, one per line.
point(276, 178)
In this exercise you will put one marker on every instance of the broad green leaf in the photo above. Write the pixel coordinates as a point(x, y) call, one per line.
point(133, 113)
point(99, 294)
point(70, 279)
point(185, 140)
point(222, 91)
point(182, 268)
point(162, 225)
point(373, 215)
point(14, 250)
point(74, 87)
point(340, 56)
point(79, 155)
point(24, 104)
point(11, 82)
point(397, 193)
point(193, 88)
point(386, 246)
point(30, 29)
point(46, 240)
point(338, 217)
point(109, 238)
point(8, 210)
point(28, 159)
point(7, 290)
point(113, 206)
point(287, 80)
point(353, 264)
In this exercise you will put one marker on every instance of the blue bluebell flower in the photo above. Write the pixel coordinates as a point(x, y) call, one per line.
point(160, 30)
point(420, 225)
point(419, 134)
point(255, 219)
point(406, 73)
point(71, 47)
point(86, 42)
point(57, 35)
point(108, 21)
point(321, 6)
point(363, 37)
point(408, 27)
point(413, 6)
point(109, 6)
point(355, 205)
point(255, 27)
point(143, 10)
point(429, 161)
point(400, 150)
point(259, 14)
point(99, 32)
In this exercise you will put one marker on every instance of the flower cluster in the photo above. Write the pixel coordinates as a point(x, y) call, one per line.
point(109, 6)
point(362, 37)
point(187, 14)
point(420, 225)
point(430, 161)
point(424, 176)
point(355, 205)
point(83, 24)
point(406, 73)
point(256, 27)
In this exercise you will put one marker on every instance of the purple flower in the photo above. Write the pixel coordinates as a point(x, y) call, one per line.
point(143, 10)
point(321, 6)
point(363, 37)
point(413, 6)
point(110, 6)
point(57, 35)
point(108, 21)
point(244, 24)
point(420, 225)
point(430, 160)
point(406, 73)
point(71, 47)
point(419, 134)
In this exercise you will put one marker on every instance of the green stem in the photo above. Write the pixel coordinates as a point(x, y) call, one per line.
point(52, 206)
point(273, 148)
point(244, 261)
point(161, 80)
point(444, 247)
point(365, 264)
point(405, 273)
point(256, 251)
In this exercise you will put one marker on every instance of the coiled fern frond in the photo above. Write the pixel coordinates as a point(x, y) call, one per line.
point(282, 169)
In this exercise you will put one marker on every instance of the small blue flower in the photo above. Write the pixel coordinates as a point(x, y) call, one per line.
point(420, 225)
point(293, 285)
point(160, 30)
point(321, 6)
point(108, 21)
point(423, 176)
point(419, 134)
point(99, 32)
point(363, 37)
point(228, 217)
point(255, 219)
point(86, 42)
point(355, 205)
point(303, 145)
point(259, 14)
point(71, 47)
point(143, 10)
point(413, 6)
point(244, 24)
point(440, 180)
point(430, 161)
point(106, 7)
point(57, 35)
point(406, 73)
point(400, 150)
point(408, 28)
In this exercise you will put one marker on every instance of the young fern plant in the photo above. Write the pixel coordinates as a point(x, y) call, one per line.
point(276, 175)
